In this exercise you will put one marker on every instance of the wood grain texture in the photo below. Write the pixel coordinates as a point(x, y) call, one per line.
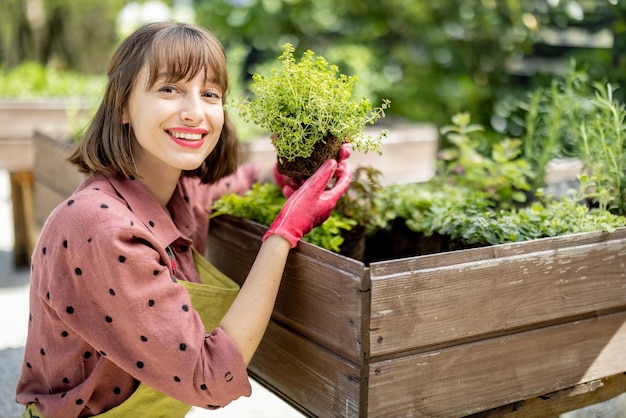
point(473, 377)
point(418, 304)
point(312, 379)
point(322, 296)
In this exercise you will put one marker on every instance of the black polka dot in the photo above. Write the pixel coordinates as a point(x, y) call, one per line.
point(102, 353)
point(66, 380)
point(182, 346)
point(151, 302)
point(89, 240)
point(186, 198)
point(228, 376)
point(69, 310)
point(108, 319)
point(131, 178)
point(43, 352)
point(104, 206)
point(132, 223)
point(63, 395)
point(151, 223)
point(176, 379)
point(203, 387)
point(140, 364)
point(117, 390)
point(43, 250)
point(64, 243)
point(155, 272)
point(121, 258)
point(48, 295)
point(111, 292)
point(30, 366)
point(87, 354)
point(79, 401)
point(143, 338)
point(185, 308)
point(70, 202)
point(65, 334)
point(78, 271)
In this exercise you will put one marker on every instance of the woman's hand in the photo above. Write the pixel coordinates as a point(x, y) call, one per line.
point(312, 202)
point(289, 184)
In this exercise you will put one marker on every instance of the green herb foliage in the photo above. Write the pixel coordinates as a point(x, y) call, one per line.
point(263, 202)
point(603, 151)
point(31, 80)
point(503, 174)
point(305, 102)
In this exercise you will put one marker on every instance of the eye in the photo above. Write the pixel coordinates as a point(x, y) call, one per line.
point(212, 95)
point(168, 89)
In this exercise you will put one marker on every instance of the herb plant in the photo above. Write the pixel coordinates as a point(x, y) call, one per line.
point(503, 174)
point(263, 202)
point(303, 103)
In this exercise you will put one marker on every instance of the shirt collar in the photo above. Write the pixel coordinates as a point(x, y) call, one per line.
point(144, 205)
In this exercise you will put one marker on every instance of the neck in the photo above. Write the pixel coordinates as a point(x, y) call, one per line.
point(161, 185)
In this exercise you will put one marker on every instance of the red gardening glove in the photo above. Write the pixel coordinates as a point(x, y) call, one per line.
point(290, 185)
point(312, 203)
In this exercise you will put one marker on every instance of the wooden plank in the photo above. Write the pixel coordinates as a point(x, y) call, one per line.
point(24, 230)
point(421, 307)
point(388, 268)
point(322, 295)
point(51, 166)
point(554, 404)
point(312, 379)
point(45, 200)
point(479, 376)
point(17, 154)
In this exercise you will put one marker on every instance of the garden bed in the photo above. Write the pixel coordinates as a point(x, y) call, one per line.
point(440, 335)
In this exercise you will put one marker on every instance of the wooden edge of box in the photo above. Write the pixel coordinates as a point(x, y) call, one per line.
point(478, 376)
point(323, 297)
point(421, 307)
point(309, 377)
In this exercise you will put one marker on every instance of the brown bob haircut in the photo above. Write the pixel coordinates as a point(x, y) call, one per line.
point(185, 51)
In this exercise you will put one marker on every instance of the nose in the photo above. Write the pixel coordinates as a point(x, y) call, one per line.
point(192, 111)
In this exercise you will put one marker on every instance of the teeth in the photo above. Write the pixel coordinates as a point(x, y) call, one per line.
point(187, 136)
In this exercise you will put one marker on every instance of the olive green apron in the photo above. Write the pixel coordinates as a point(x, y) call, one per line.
point(211, 299)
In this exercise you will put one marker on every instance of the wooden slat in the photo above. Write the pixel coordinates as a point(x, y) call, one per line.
point(312, 379)
point(478, 376)
point(24, 229)
point(554, 404)
point(45, 200)
point(419, 307)
point(51, 166)
point(17, 154)
point(322, 295)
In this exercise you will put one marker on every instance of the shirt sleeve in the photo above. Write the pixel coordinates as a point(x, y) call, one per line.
point(109, 282)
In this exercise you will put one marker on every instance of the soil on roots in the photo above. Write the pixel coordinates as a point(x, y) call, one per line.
point(302, 168)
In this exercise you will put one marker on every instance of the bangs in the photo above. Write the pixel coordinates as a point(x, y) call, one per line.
point(184, 52)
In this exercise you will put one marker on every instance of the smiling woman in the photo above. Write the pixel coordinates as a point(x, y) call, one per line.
point(118, 278)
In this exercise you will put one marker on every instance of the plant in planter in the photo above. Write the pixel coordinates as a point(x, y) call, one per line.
point(311, 110)
point(517, 311)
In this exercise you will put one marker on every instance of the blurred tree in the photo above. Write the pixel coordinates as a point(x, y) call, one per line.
point(75, 34)
point(432, 59)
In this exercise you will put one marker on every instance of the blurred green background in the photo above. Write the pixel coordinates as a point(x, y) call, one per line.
point(431, 59)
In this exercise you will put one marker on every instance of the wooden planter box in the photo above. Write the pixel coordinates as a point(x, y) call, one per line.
point(19, 120)
point(442, 335)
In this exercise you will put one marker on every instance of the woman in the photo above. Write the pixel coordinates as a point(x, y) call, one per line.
point(114, 329)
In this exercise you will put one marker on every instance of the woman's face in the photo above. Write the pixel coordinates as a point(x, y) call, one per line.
point(176, 124)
